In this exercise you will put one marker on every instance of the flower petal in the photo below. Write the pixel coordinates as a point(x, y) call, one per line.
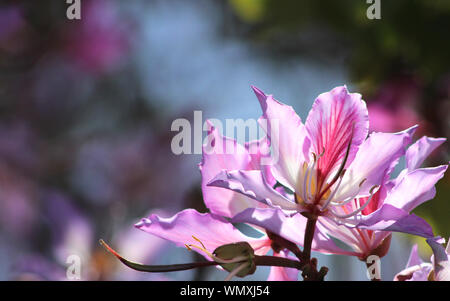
point(419, 151)
point(283, 274)
point(415, 188)
point(251, 183)
point(216, 157)
point(336, 119)
point(441, 260)
point(414, 258)
point(213, 231)
point(288, 138)
point(259, 151)
point(415, 273)
point(376, 157)
point(291, 228)
point(390, 218)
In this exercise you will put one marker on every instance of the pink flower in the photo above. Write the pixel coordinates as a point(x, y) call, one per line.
point(212, 230)
point(418, 270)
point(100, 40)
point(440, 260)
point(391, 193)
point(394, 106)
point(333, 171)
point(326, 169)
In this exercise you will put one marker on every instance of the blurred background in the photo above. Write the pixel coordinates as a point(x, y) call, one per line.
point(86, 108)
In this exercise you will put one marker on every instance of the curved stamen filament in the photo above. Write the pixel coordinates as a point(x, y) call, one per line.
point(361, 208)
point(333, 193)
point(305, 178)
point(347, 200)
point(236, 271)
point(212, 256)
point(311, 174)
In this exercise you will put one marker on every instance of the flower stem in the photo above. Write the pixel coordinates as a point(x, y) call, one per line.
point(278, 261)
point(309, 235)
point(259, 261)
point(157, 268)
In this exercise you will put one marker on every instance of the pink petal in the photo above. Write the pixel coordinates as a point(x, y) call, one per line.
point(390, 218)
point(335, 115)
point(259, 151)
point(288, 138)
point(415, 273)
point(375, 158)
point(415, 188)
point(350, 236)
point(420, 150)
point(251, 183)
point(414, 258)
point(215, 159)
point(212, 230)
point(283, 274)
point(441, 258)
point(291, 228)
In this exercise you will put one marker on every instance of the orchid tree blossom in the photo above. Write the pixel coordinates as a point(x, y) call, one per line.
point(440, 260)
point(321, 180)
point(411, 188)
point(212, 230)
point(332, 169)
point(418, 270)
point(229, 204)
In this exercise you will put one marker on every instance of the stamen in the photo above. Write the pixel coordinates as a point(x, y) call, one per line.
point(304, 188)
point(199, 241)
point(212, 256)
point(236, 271)
point(311, 174)
point(333, 193)
point(362, 182)
point(361, 208)
point(347, 200)
point(308, 173)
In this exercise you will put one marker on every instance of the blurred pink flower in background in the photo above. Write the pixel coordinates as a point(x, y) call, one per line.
point(100, 40)
point(394, 107)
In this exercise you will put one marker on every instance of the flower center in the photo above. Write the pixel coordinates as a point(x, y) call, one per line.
point(319, 193)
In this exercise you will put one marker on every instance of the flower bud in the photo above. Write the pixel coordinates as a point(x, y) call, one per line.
point(237, 258)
